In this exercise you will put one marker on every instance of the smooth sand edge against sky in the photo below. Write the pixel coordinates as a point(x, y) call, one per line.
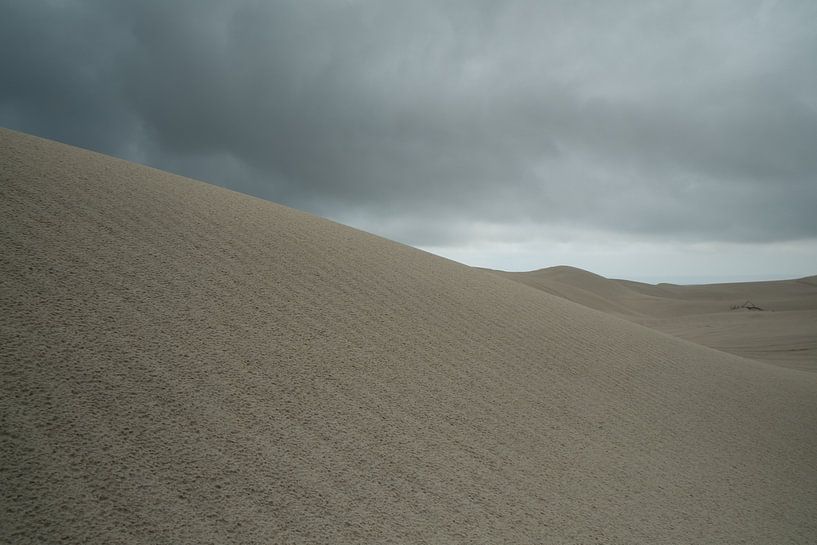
point(185, 364)
point(773, 321)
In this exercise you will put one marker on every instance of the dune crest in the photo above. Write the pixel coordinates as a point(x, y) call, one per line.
point(780, 327)
point(185, 364)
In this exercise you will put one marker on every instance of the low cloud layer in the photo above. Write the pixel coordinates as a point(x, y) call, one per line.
point(673, 122)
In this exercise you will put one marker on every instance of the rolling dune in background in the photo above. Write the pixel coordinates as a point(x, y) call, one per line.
point(775, 322)
point(185, 364)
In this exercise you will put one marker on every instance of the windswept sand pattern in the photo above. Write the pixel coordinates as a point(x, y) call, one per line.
point(780, 328)
point(184, 364)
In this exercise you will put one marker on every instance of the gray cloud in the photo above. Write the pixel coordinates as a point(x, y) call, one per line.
point(673, 120)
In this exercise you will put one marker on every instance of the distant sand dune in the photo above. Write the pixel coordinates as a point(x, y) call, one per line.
point(784, 333)
point(185, 364)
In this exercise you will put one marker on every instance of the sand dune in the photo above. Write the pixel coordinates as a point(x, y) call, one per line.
point(184, 364)
point(779, 326)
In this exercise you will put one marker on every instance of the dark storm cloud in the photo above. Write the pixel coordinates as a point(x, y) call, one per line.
point(674, 119)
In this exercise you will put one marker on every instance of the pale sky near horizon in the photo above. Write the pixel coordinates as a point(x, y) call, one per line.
point(658, 141)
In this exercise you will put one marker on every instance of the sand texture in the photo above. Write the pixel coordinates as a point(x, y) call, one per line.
point(774, 322)
point(185, 364)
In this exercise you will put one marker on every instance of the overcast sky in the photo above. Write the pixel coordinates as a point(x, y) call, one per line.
point(654, 140)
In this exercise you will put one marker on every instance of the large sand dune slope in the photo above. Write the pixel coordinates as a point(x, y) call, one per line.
point(184, 364)
point(775, 322)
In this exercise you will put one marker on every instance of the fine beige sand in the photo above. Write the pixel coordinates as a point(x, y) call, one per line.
point(185, 364)
point(775, 322)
